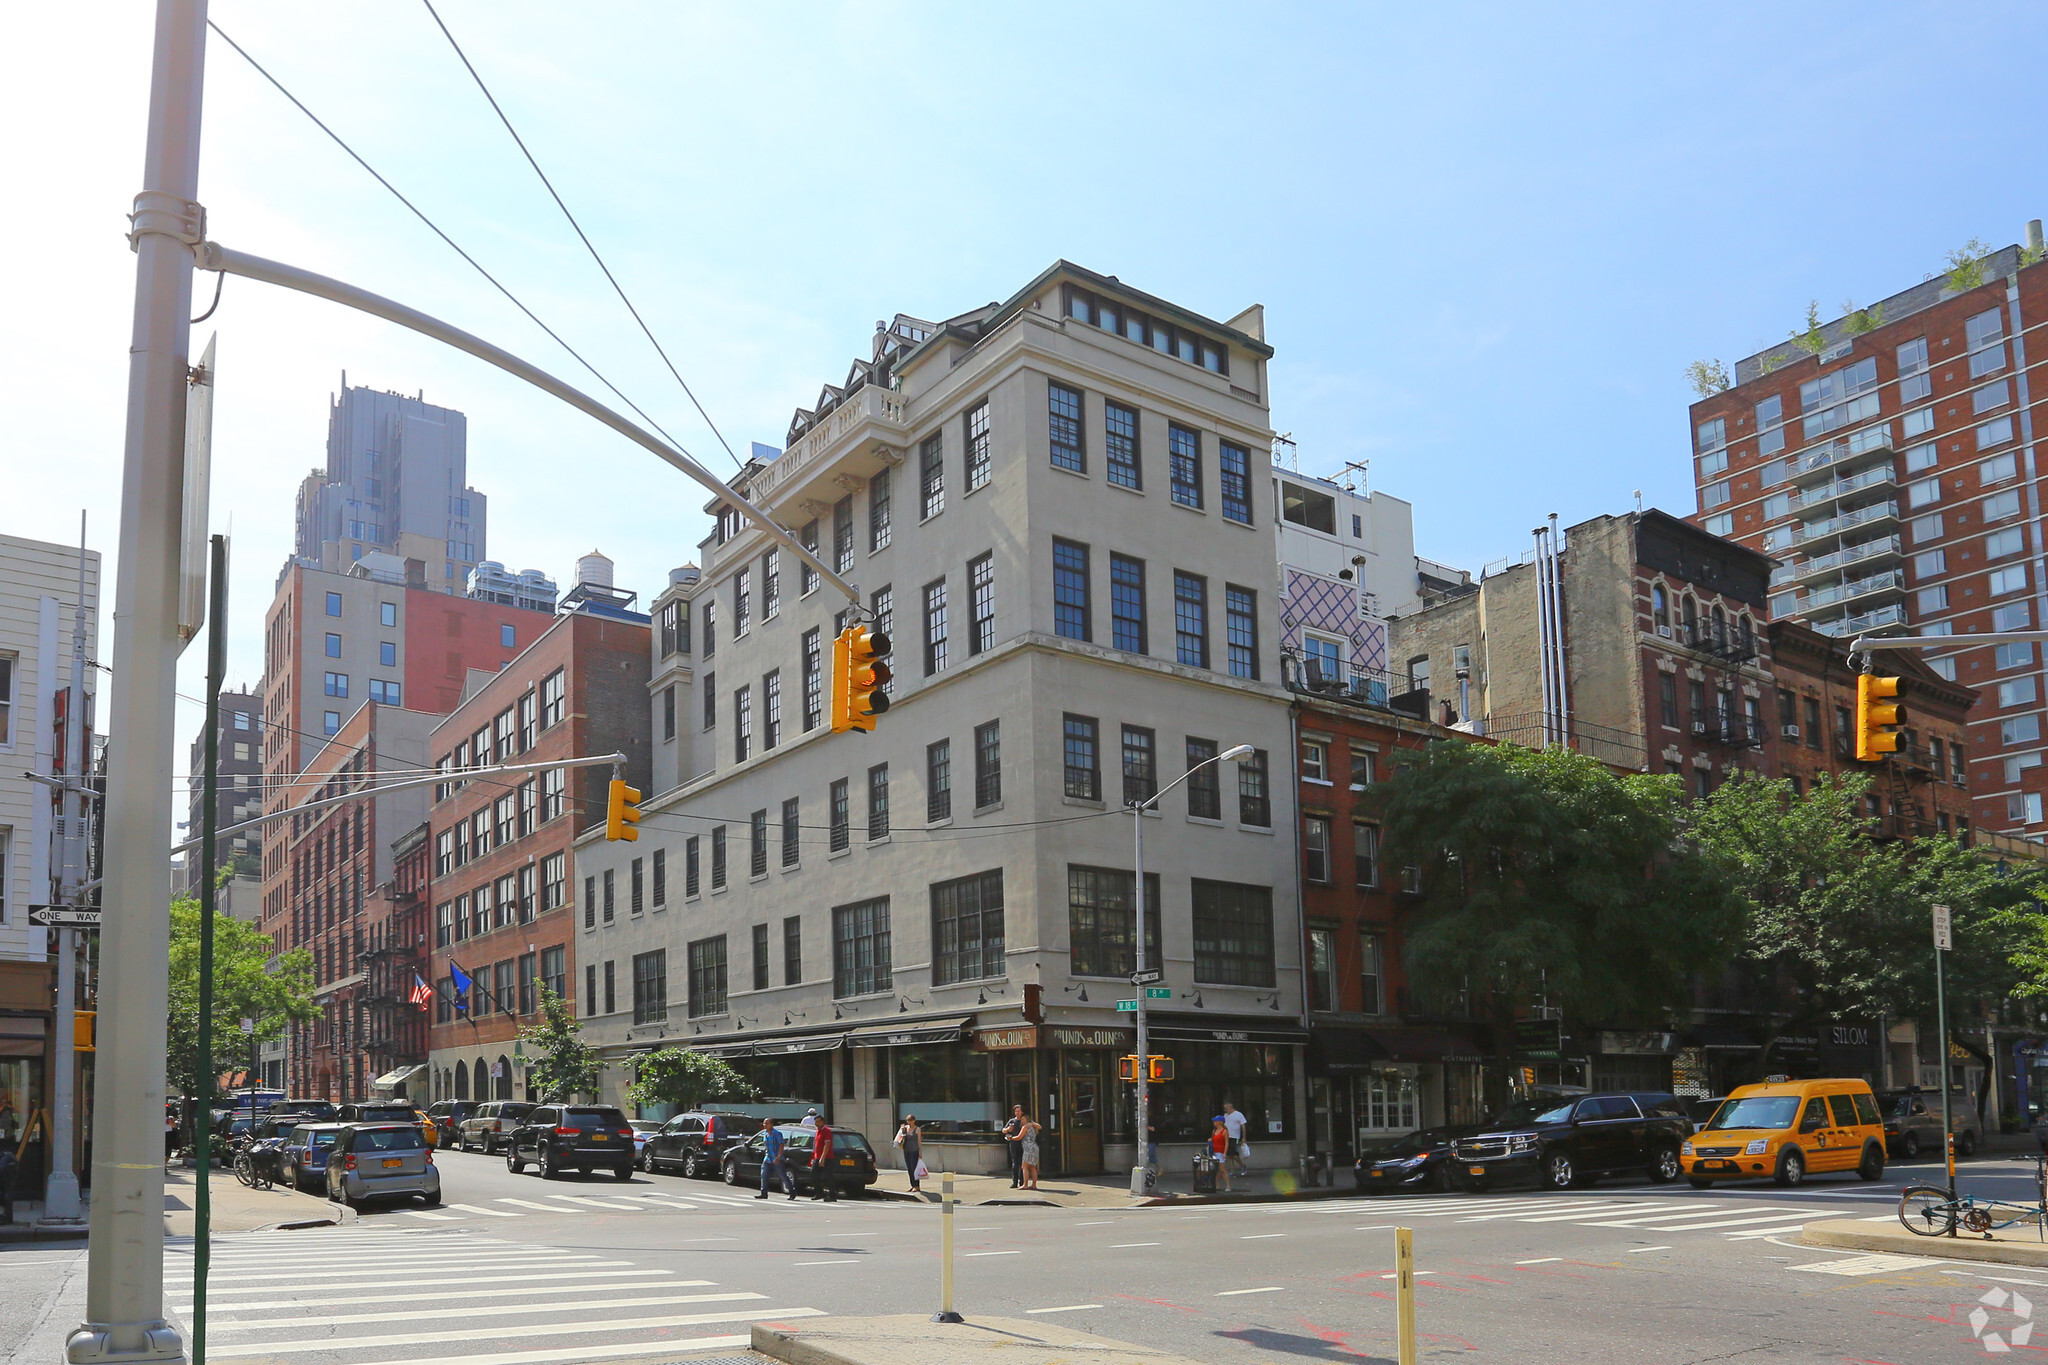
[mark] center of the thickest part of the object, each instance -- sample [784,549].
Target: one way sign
[63,917]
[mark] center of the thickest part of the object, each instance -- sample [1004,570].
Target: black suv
[572,1137]
[696,1142]
[448,1116]
[1564,1140]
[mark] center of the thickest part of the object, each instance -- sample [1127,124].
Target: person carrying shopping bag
[1235,1124]
[910,1138]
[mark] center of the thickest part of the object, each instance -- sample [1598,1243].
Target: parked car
[306,1152]
[488,1126]
[695,1143]
[572,1137]
[643,1129]
[855,1159]
[1784,1129]
[1702,1110]
[448,1116]
[322,1110]
[1912,1122]
[380,1161]
[1574,1140]
[1420,1160]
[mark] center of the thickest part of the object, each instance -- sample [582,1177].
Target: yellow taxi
[429,1132]
[1788,1130]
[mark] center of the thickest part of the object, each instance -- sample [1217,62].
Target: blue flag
[462,984]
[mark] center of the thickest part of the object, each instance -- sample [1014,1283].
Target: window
[387,654]
[988,764]
[1100,922]
[691,865]
[931,476]
[554,794]
[757,844]
[1120,445]
[841,816]
[1714,494]
[878,801]
[1995,432]
[878,511]
[860,948]
[1233,933]
[1362,764]
[1070,610]
[981,603]
[771,582]
[528,997]
[717,857]
[552,699]
[1924,492]
[1205,780]
[938,781]
[1913,376]
[1777,505]
[1365,855]
[842,536]
[1322,969]
[742,723]
[1184,464]
[1989,397]
[967,929]
[554,881]
[792,950]
[1667,700]
[334,604]
[1063,422]
[977,446]
[508,637]
[650,987]
[1999,544]
[606,879]
[1253,806]
[1083,771]
[1711,434]
[1373,978]
[1191,619]
[1241,631]
[710,627]
[2009,579]
[2024,808]
[387,613]
[814,681]
[1126,601]
[707,976]
[673,626]
[881,609]
[1234,481]
[1997,469]
[507,810]
[2016,692]
[1315,847]
[444,924]
[1933,599]
[1310,508]
[2000,505]
[1932,564]
[1925,528]
[771,709]
[760,937]
[1722,524]
[658,891]
[742,602]
[2012,655]
[934,626]
[1322,660]
[1315,760]
[1141,769]
[1714,465]
[2019,730]
[806,576]
[1770,419]
[668,712]
[589,995]
[330,722]
[1985,335]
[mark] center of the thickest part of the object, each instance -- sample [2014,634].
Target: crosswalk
[610,1201]
[431,1297]
[1734,1219]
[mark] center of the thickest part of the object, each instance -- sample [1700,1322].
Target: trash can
[1205,1175]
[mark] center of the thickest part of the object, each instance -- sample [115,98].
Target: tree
[1707,377]
[250,981]
[1544,874]
[563,1064]
[1966,265]
[1810,340]
[677,1076]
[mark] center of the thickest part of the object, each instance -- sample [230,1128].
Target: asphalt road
[514,1271]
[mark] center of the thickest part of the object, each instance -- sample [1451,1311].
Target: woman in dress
[1031,1131]
[911,1139]
[1219,1153]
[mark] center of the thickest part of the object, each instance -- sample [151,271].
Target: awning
[1428,1045]
[1186,1028]
[770,1046]
[909,1033]
[398,1077]
[1344,1049]
[322,992]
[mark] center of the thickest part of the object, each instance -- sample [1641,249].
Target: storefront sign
[1019,1038]
[1617,1043]
[1539,1038]
[1060,1035]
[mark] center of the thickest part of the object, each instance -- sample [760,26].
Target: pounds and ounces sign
[63,917]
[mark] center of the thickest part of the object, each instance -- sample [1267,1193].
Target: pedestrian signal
[622,812]
[1877,719]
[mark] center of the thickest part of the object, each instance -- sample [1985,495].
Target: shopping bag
[1244,1151]
[923,1171]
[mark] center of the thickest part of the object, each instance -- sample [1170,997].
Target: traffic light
[1876,719]
[622,812]
[82,1026]
[1127,1068]
[858,677]
[1162,1069]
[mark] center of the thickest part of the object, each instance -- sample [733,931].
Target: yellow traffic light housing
[858,677]
[83,1023]
[1876,719]
[622,812]
[1162,1069]
[1127,1068]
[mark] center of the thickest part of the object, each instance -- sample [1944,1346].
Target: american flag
[421,991]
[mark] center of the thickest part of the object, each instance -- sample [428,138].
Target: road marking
[1119,1246]
[488,1213]
[2002,1279]
[1675,1219]
[1260,1236]
[1067,1308]
[1724,1223]
[1269,1289]
[1867,1265]
[1097,1223]
[581,1353]
[594,1203]
[847,1260]
[423,1257]
[470,1279]
[1375,1227]
[492,1310]
[994,1253]
[548,1329]
[1765,1232]
[1637,1251]
[465,1295]
[453,1262]
[437,1217]
[1393,1275]
[544,1208]
[1540,1260]
[1593,1213]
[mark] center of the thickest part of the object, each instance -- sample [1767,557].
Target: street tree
[250,981]
[563,1065]
[1545,876]
[677,1076]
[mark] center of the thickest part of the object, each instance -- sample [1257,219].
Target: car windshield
[321,1139]
[1533,1111]
[1758,1111]
[593,1120]
[371,1113]
[646,1126]
[388,1140]
[1413,1144]
[844,1142]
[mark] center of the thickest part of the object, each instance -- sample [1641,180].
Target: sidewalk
[2013,1246]
[235,1208]
[909,1339]
[1107,1191]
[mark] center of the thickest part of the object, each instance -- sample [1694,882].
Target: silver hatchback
[382,1161]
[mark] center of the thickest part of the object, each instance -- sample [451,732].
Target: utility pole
[125,1285]
[60,1199]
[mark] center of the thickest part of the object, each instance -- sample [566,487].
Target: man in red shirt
[823,1172]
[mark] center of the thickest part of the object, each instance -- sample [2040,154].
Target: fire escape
[393,1028]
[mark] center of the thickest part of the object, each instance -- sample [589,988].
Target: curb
[1863,1237]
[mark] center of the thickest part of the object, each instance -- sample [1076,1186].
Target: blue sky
[1488,238]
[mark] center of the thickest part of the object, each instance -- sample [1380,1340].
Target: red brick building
[394,962]
[503,876]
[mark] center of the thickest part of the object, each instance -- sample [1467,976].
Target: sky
[1488,238]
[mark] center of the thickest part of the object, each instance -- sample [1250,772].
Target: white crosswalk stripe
[1658,1211]
[382,1296]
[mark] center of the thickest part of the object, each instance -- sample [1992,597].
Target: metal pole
[1139,1172]
[1404,1296]
[946,1313]
[1948,1138]
[209,857]
[125,1284]
[60,1198]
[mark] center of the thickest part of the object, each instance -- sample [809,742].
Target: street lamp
[1138,808]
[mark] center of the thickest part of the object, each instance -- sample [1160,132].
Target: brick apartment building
[393,958]
[1892,472]
[502,867]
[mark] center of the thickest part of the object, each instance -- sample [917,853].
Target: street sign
[1126,1007]
[1147,977]
[62,917]
[1943,940]
[1159,992]
[249,1027]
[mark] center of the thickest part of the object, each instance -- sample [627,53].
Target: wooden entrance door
[1081,1113]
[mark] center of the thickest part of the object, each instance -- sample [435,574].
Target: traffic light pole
[60,1194]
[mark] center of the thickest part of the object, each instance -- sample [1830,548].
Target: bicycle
[1932,1211]
[249,1173]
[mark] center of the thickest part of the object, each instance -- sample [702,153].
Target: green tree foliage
[1966,265]
[248,983]
[1707,377]
[678,1076]
[1544,874]
[563,1065]
[1810,339]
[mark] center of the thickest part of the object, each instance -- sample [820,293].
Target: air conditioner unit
[1791,732]
[1699,727]
[1664,631]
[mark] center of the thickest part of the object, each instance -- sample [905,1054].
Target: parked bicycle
[1932,1211]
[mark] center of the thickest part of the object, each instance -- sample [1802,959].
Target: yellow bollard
[1404,1296]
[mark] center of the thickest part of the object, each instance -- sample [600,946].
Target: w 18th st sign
[63,917]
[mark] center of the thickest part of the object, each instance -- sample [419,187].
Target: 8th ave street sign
[62,917]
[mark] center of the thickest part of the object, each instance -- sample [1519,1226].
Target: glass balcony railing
[1835,561]
[1846,521]
[1843,450]
[1894,615]
[1828,492]
[1893,580]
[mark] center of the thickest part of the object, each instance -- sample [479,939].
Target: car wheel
[512,1161]
[1791,1168]
[1666,1167]
[1440,1180]
[1558,1172]
[1477,1187]
[1698,1182]
[1909,1146]
[430,1200]
[547,1166]
[1872,1165]
[644,1162]
[1966,1143]
[732,1172]
[623,1172]
[690,1168]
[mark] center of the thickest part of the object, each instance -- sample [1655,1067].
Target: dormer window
[1132,325]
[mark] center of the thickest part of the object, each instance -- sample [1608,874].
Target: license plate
[1377,1174]
[600,1137]
[1477,1170]
[1715,1165]
[846,1161]
[392,1163]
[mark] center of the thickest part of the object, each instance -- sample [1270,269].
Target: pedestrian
[1234,1123]
[822,1183]
[1219,1152]
[1028,1153]
[1013,1134]
[170,1132]
[773,1167]
[910,1139]
[810,1118]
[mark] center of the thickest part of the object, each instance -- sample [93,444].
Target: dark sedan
[852,1159]
[1420,1160]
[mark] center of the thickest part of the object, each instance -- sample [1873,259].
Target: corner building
[1053,507]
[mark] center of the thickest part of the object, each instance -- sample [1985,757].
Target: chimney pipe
[2034,235]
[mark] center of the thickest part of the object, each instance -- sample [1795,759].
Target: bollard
[946,1313]
[1404,1296]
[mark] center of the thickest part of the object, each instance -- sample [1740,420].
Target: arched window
[1660,608]
[1691,609]
[482,1081]
[461,1082]
[504,1087]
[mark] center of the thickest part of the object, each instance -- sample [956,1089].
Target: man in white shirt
[1234,1124]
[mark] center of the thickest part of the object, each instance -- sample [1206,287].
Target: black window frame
[1233,933]
[1140,748]
[931,476]
[1066,437]
[1190,607]
[1120,449]
[861,963]
[938,781]
[988,764]
[1081,737]
[1204,784]
[1184,465]
[1100,941]
[1071,578]
[1127,626]
[967,929]
[975,427]
[981,603]
[708,980]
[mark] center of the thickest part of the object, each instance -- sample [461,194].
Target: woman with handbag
[910,1138]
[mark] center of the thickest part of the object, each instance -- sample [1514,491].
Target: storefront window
[1387,1104]
[1256,1079]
